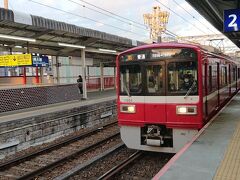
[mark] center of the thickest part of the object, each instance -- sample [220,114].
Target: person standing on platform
[80,84]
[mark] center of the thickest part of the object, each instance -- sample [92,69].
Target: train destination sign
[232,20]
[16,60]
[156,53]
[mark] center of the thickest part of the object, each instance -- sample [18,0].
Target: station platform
[214,151]
[93,98]
[17,86]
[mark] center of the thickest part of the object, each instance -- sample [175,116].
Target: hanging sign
[40,61]
[16,60]
[232,20]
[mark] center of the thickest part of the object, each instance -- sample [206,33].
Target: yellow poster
[16,60]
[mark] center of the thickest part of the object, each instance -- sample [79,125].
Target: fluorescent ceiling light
[18,46]
[71,45]
[17,38]
[107,50]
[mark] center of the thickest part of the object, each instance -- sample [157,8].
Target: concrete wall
[23,133]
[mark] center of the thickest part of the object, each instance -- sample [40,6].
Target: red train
[168,91]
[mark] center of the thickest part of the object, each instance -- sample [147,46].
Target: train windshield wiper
[126,89]
[190,89]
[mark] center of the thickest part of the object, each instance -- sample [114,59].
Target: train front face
[158,98]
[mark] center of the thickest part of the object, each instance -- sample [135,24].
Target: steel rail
[109,174]
[54,164]
[85,165]
[12,162]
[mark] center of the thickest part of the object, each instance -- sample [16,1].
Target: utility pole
[6,4]
[157,22]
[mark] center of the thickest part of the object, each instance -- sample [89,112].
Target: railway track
[144,167]
[119,162]
[35,164]
[102,162]
[115,170]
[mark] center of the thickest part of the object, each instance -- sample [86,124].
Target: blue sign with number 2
[232,20]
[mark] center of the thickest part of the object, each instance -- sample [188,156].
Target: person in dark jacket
[80,84]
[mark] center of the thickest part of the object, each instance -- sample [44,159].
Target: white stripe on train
[171,99]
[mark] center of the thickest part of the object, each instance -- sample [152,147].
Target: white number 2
[233,22]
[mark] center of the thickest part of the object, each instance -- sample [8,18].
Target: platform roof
[49,32]
[213,10]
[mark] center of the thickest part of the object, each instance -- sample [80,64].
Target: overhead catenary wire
[112,13]
[170,33]
[74,14]
[114,17]
[180,16]
[192,16]
[116,27]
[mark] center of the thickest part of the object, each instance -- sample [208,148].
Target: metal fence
[21,98]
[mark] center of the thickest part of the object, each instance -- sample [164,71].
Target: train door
[155,99]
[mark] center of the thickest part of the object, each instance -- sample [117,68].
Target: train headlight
[127,108]
[187,110]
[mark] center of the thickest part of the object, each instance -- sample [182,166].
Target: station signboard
[232,20]
[40,61]
[16,60]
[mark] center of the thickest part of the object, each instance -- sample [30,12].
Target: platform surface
[216,152]
[93,98]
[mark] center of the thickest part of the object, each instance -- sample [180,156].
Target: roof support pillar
[83,58]
[114,76]
[101,76]
[24,68]
[57,70]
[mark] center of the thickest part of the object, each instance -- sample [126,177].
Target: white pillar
[84,73]
[57,70]
[115,81]
[102,76]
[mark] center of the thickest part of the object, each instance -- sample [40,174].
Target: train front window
[130,79]
[182,78]
[155,79]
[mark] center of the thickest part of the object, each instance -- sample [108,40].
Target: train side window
[238,73]
[223,76]
[234,74]
[210,79]
[214,77]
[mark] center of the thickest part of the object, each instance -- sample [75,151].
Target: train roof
[179,45]
[163,45]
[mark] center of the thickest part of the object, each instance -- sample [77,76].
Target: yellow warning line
[229,168]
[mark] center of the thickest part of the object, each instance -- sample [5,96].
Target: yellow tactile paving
[229,169]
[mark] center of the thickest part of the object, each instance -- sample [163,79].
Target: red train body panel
[168,91]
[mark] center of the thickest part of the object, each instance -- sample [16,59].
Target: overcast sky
[129,9]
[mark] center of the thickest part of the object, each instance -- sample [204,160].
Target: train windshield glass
[130,79]
[155,79]
[182,78]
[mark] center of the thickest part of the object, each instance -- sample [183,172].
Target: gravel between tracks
[81,159]
[102,166]
[144,168]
